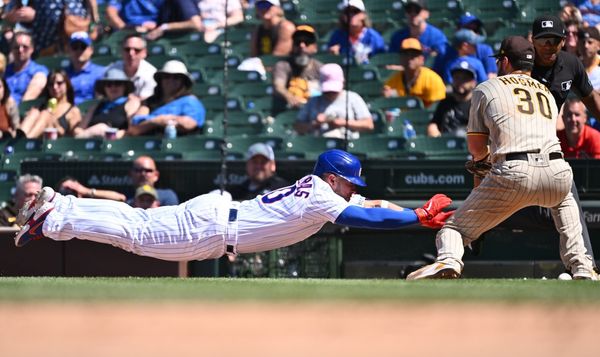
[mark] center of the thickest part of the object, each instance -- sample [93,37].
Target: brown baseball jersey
[517,112]
[519,115]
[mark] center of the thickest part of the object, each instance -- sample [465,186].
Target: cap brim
[355,180]
[547,33]
[332,86]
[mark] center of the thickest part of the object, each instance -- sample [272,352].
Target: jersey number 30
[527,106]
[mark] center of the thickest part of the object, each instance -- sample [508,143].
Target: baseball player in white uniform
[516,115]
[209,226]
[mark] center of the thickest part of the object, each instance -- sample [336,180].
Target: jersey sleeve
[476,123]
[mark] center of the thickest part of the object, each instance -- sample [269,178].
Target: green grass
[306,290]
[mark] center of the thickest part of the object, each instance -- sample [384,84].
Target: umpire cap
[517,49]
[548,25]
[341,163]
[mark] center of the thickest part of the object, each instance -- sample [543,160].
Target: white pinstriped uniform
[519,115]
[200,228]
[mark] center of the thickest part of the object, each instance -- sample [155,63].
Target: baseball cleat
[443,269]
[37,210]
[583,273]
[47,194]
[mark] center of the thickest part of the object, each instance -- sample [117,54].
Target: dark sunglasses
[145,170]
[304,39]
[113,83]
[78,46]
[129,49]
[552,41]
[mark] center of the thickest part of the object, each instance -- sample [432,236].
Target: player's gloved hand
[432,207]
[479,168]
[438,220]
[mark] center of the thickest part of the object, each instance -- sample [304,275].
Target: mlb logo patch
[547,24]
[565,86]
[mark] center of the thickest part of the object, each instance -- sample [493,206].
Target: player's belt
[523,156]
[231,240]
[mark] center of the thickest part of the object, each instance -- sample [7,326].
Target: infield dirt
[302,329]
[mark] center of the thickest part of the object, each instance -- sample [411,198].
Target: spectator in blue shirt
[432,39]
[177,16]
[483,51]
[82,72]
[172,102]
[139,14]
[464,48]
[364,41]
[25,78]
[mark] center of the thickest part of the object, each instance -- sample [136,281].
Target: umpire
[562,73]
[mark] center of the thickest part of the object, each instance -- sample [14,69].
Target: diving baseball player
[517,116]
[209,226]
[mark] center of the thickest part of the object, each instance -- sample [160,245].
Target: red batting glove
[432,207]
[438,221]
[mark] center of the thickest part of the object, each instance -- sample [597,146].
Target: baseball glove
[479,168]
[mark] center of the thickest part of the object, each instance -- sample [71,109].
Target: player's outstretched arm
[430,215]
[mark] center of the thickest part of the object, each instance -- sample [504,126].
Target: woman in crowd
[58,112]
[364,40]
[9,111]
[114,110]
[172,103]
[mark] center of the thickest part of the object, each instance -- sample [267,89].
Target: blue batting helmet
[340,163]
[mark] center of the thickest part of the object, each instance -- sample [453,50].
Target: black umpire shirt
[565,75]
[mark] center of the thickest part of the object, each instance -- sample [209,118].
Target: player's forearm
[378,218]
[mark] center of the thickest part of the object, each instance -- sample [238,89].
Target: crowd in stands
[128,74]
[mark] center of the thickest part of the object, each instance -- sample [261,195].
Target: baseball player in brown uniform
[516,115]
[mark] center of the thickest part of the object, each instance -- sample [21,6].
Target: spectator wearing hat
[432,38]
[25,78]
[578,140]
[483,51]
[274,34]
[464,48]
[261,174]
[58,112]
[141,15]
[325,115]
[415,79]
[177,16]
[82,72]
[363,39]
[145,197]
[115,108]
[172,102]
[589,45]
[452,114]
[135,66]
[296,78]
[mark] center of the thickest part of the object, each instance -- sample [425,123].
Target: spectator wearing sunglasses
[144,172]
[171,103]
[82,72]
[355,28]
[25,78]
[296,78]
[115,108]
[274,34]
[135,66]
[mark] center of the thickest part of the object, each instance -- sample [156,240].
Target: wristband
[164,27]
[384,204]
[93,193]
